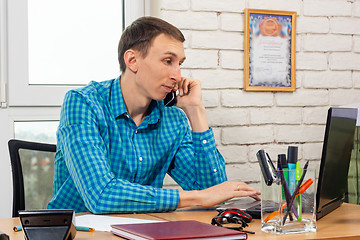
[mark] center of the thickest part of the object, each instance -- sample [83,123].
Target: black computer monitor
[335,159]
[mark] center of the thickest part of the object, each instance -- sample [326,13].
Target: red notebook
[175,230]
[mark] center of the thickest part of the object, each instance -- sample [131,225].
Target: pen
[17,228]
[292,159]
[298,199]
[296,190]
[78,228]
[286,190]
[84,229]
[284,167]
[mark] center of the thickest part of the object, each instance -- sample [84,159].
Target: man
[117,140]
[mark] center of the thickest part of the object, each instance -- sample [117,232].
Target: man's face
[159,70]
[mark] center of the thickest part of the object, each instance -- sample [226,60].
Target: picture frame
[269,50]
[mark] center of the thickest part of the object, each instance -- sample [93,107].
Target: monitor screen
[335,159]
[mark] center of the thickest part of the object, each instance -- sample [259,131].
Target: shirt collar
[119,108]
[116,99]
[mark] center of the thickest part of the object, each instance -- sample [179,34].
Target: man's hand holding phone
[189,100]
[189,93]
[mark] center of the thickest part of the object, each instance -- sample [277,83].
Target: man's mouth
[168,88]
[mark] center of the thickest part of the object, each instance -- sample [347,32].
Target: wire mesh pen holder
[276,217]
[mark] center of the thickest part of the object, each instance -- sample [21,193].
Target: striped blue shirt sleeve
[198,159]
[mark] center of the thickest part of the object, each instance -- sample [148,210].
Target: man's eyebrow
[175,55]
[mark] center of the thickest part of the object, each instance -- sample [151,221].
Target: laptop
[335,159]
[334,166]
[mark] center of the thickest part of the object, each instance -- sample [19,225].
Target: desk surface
[343,223]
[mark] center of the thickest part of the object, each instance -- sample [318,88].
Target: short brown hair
[141,32]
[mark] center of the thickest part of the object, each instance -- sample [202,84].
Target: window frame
[24,102]
[20,92]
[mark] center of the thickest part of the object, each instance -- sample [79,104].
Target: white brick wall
[238,98]
[303,97]
[323,43]
[234,154]
[314,115]
[311,61]
[344,25]
[327,8]
[218,78]
[345,61]
[356,79]
[357,44]
[227,21]
[198,58]
[280,115]
[228,117]
[327,79]
[200,20]
[217,40]
[182,5]
[218,6]
[247,135]
[302,133]
[312,25]
[327,74]
[231,59]
[357,9]
[294,5]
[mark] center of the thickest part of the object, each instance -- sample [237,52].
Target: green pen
[85,229]
[298,173]
[78,228]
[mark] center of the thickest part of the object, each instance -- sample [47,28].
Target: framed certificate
[269,50]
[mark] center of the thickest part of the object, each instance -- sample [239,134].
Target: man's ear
[130,58]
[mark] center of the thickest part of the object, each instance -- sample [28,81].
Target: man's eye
[168,61]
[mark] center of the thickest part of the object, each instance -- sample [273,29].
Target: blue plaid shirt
[105,163]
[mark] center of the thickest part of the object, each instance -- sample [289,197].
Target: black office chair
[32,166]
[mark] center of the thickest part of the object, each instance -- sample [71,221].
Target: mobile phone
[170,99]
[267,167]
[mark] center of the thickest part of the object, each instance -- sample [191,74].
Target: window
[32,100]
[57,45]
[36,131]
[77,42]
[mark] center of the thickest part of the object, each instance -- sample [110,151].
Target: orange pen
[302,189]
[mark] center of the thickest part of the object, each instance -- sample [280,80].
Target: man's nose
[176,73]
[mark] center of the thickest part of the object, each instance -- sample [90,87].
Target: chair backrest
[32,166]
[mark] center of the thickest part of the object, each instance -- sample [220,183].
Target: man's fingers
[183,86]
[245,190]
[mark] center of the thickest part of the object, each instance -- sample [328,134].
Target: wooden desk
[343,223]
[7,224]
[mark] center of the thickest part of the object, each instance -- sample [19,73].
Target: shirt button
[136,131]
[140,159]
[204,141]
[215,170]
